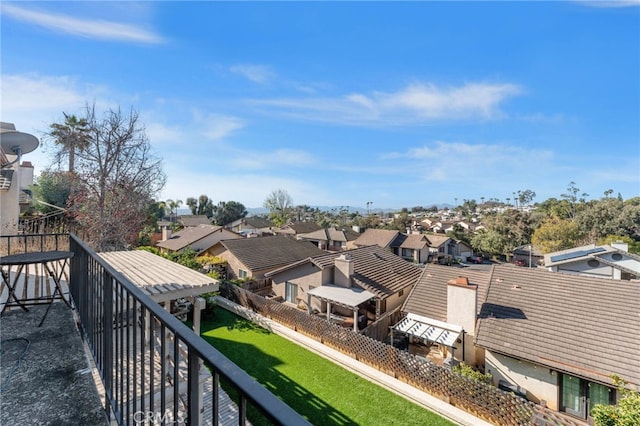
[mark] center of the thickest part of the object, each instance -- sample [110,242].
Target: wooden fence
[379,330]
[482,400]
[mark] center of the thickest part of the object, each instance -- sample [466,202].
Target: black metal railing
[154,369]
[28,243]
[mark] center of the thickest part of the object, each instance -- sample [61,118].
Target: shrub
[625,413]
[468,371]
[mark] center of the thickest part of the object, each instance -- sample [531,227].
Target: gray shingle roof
[194,220]
[581,325]
[188,236]
[376,270]
[270,252]
[429,296]
[380,237]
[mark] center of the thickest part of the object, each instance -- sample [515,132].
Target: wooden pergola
[350,298]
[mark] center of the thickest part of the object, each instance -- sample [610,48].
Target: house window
[579,396]
[242,273]
[407,252]
[291,292]
[400,293]
[440,249]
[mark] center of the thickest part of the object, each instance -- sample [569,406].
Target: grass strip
[319,390]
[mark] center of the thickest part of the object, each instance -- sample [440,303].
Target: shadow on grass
[262,367]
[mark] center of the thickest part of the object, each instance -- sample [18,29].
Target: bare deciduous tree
[119,176]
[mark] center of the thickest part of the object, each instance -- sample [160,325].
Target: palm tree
[72,136]
[173,208]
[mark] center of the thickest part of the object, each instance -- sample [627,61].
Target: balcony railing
[153,368]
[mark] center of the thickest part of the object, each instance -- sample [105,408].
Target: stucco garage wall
[539,382]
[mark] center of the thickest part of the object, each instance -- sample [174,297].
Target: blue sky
[343,103]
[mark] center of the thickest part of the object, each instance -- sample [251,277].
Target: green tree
[625,413]
[506,231]
[575,200]
[280,206]
[205,206]
[202,206]
[52,189]
[227,212]
[599,218]
[526,196]
[173,208]
[557,234]
[192,203]
[72,136]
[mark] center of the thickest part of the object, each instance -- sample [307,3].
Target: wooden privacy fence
[480,399]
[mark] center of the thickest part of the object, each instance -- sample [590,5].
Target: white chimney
[166,233]
[462,299]
[343,271]
[620,246]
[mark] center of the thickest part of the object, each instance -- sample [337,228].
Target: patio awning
[350,297]
[162,279]
[426,328]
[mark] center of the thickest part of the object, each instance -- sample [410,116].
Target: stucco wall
[304,277]
[540,383]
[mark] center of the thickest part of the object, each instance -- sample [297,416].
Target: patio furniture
[20,261]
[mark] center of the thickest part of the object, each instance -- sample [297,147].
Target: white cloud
[94,29]
[414,105]
[456,161]
[217,126]
[255,73]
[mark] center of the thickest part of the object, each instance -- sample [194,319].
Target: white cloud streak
[87,28]
[256,73]
[414,105]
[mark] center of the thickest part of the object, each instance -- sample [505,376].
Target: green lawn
[318,389]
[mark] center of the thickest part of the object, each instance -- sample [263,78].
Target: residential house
[15,176]
[364,282]
[254,257]
[297,228]
[193,220]
[383,238]
[198,238]
[251,226]
[560,337]
[528,255]
[606,261]
[549,337]
[413,247]
[441,314]
[331,239]
[443,249]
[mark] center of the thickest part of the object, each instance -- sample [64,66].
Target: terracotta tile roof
[379,237]
[580,325]
[429,296]
[188,236]
[270,252]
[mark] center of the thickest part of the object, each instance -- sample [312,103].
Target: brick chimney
[462,299]
[343,271]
